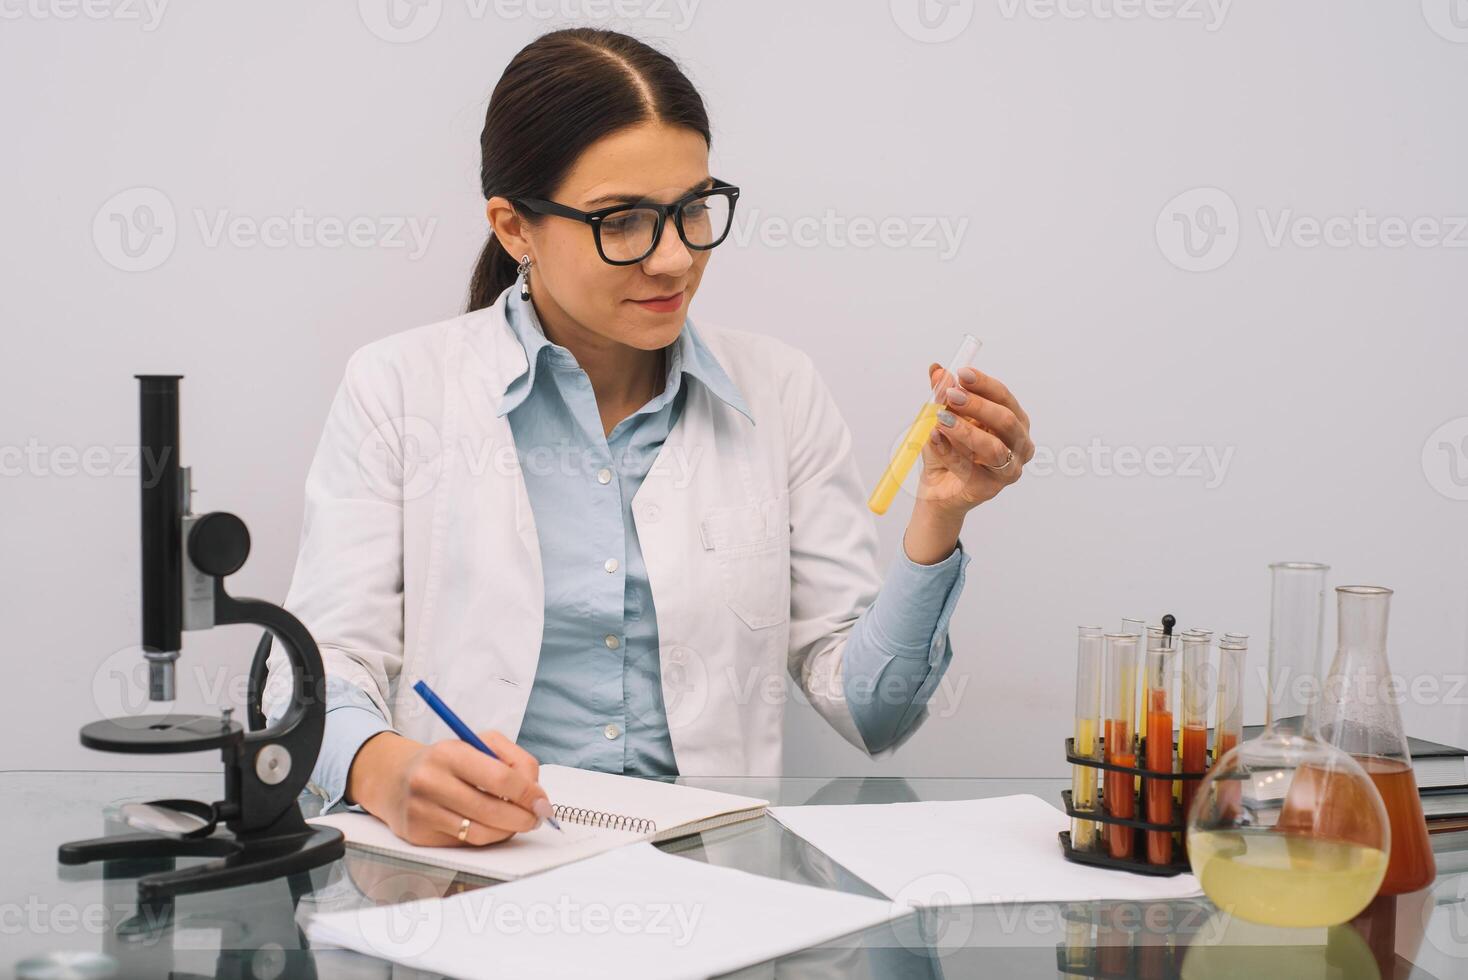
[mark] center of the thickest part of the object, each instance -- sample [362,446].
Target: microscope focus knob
[219,544]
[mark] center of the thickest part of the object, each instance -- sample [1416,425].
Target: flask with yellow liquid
[911,447]
[1287,830]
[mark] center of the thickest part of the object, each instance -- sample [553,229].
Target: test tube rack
[1100,856]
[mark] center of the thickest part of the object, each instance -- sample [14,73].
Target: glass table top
[90,914]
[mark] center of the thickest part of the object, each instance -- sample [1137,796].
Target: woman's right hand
[424,792]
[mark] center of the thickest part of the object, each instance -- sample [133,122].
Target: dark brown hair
[562,92]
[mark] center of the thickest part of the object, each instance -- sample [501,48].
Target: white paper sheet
[966,852]
[632,912]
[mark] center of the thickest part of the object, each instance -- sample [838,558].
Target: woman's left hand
[983,451]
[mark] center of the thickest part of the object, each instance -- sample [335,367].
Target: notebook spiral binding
[600,818]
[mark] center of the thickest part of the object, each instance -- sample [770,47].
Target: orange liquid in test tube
[1121,800]
[1159,791]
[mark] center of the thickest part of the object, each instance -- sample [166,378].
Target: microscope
[256,832]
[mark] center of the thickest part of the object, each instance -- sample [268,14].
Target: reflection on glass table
[91,912]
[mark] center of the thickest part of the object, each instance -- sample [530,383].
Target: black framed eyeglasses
[628,233]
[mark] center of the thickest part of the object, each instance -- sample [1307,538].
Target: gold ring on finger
[1008,460]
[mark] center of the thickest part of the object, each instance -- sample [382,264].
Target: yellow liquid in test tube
[917,435]
[1281,879]
[906,455]
[1083,784]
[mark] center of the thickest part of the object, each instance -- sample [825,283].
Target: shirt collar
[687,355]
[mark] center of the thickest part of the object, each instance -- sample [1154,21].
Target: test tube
[1087,744]
[1160,651]
[1118,792]
[1192,752]
[1229,722]
[1139,628]
[1229,726]
[917,435]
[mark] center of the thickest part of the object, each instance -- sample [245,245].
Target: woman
[601,534]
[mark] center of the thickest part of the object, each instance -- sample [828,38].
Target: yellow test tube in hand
[911,447]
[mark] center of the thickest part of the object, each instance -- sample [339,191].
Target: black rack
[1101,855]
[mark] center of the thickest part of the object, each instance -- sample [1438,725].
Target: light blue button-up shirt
[596,702]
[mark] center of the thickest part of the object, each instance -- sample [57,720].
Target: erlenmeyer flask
[1358,714]
[1287,830]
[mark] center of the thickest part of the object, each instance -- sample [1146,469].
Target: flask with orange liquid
[1358,714]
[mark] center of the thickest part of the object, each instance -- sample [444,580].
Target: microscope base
[242,861]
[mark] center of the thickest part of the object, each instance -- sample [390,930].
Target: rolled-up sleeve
[351,719]
[899,648]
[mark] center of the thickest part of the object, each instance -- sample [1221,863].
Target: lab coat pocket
[751,546]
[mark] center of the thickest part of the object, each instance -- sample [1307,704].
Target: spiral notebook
[598,812]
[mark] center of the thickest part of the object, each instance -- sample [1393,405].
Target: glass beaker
[1359,715]
[1287,830]
[911,447]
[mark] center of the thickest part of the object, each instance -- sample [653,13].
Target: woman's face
[572,286]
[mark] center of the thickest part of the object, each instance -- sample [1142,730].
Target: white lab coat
[419,557]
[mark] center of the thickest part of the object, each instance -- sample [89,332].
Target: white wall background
[1052,139]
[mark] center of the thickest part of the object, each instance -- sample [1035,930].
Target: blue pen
[462,730]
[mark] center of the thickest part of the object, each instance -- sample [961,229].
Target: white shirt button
[603,475]
[610,565]
[611,731]
[612,641]
[652,512]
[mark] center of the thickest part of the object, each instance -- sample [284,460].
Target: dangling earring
[524,272]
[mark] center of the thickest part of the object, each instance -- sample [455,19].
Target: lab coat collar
[688,354]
